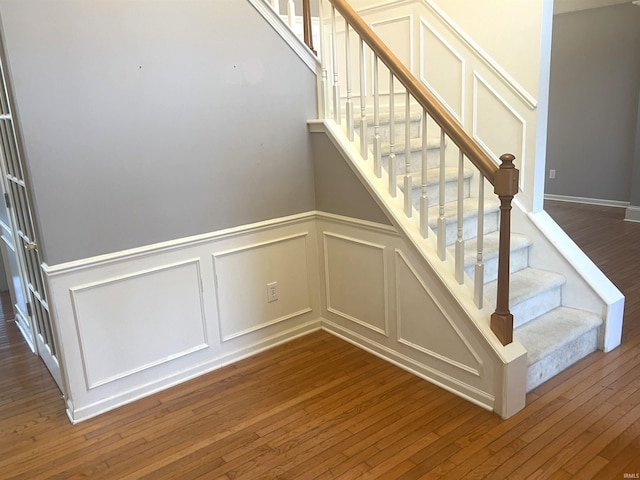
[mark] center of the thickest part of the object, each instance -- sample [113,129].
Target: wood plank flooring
[319,408]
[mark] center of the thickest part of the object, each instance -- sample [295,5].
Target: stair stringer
[587,288]
[499,380]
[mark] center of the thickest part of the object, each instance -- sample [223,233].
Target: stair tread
[415,113]
[469,209]
[415,145]
[490,246]
[554,330]
[527,283]
[433,176]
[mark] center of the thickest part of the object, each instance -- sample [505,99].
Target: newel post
[306,23]
[505,186]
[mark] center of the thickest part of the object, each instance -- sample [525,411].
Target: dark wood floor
[320,408]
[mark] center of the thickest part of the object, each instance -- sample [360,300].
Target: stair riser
[469,228]
[536,306]
[519,259]
[552,364]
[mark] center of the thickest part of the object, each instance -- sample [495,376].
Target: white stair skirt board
[289,36]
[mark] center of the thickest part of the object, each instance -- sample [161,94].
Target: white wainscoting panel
[242,276]
[370,270]
[139,321]
[497,126]
[442,70]
[356,281]
[424,325]
[163,306]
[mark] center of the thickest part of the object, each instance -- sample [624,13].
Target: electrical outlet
[552,174]
[272,292]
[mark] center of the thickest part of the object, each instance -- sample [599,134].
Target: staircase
[555,336]
[437,187]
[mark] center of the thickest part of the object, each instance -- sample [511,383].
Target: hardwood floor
[320,408]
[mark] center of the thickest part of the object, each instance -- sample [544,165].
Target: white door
[29,274]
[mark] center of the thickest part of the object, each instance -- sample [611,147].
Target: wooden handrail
[443,118]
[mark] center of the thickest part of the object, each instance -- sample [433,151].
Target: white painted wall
[508,31]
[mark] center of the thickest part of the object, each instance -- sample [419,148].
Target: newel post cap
[506,179]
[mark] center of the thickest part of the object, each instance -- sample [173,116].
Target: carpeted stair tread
[526,284]
[469,210]
[433,176]
[491,246]
[555,330]
[415,146]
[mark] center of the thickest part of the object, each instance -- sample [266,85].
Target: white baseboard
[632,214]
[473,395]
[77,415]
[586,200]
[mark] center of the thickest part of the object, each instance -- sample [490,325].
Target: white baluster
[460,223]
[275,4]
[442,222]
[322,78]
[424,201]
[349,111]
[364,148]
[408,188]
[291,13]
[377,141]
[478,276]
[337,117]
[392,140]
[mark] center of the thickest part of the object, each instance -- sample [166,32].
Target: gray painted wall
[153,120]
[337,188]
[595,83]
[634,198]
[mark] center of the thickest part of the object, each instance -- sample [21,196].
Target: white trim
[398,19]
[632,213]
[76,290]
[500,72]
[383,5]
[305,54]
[477,78]
[440,379]
[233,251]
[94,409]
[479,371]
[463,67]
[379,227]
[385,282]
[586,200]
